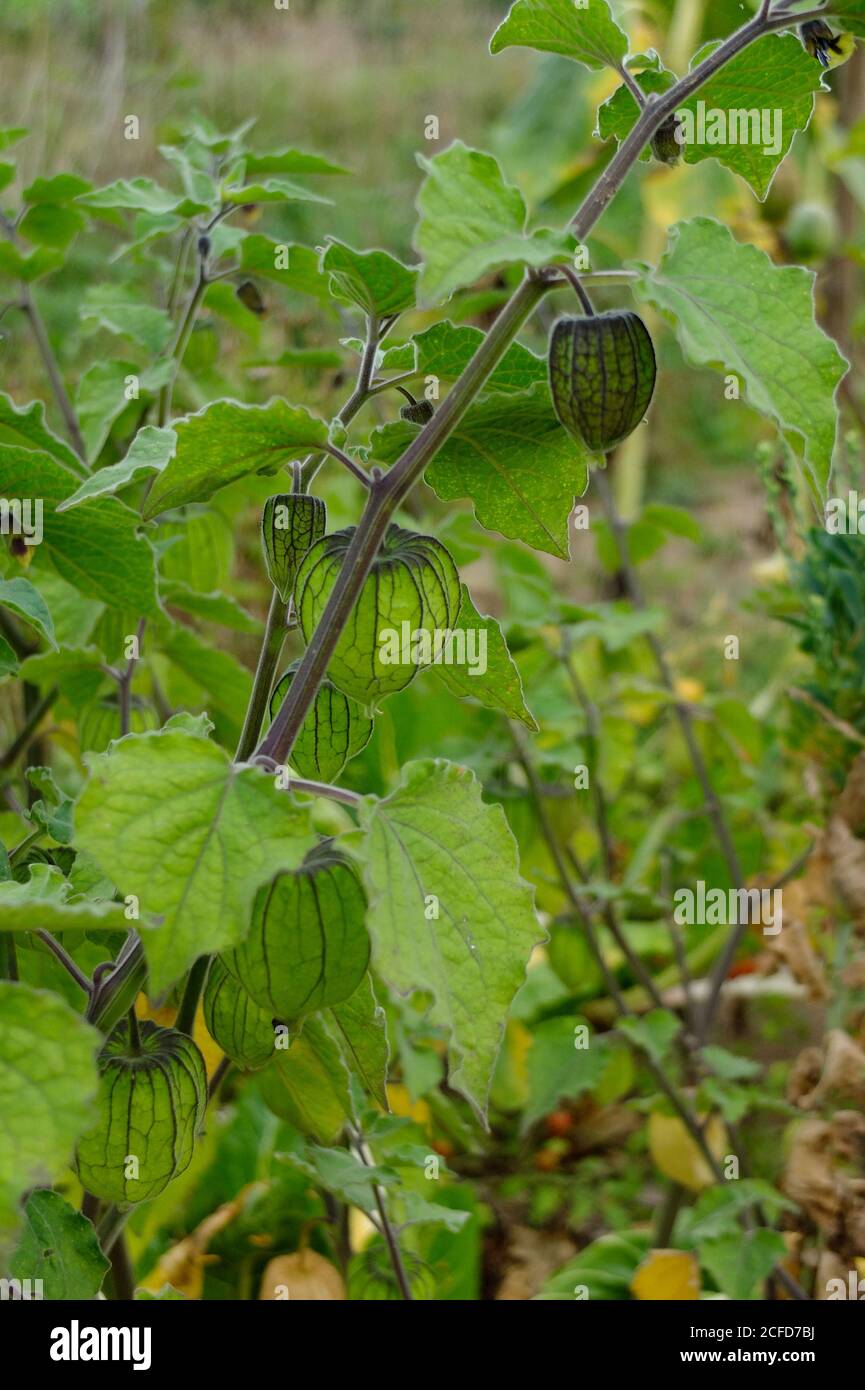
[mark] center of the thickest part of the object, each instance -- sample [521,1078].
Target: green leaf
[434,839]
[120,311]
[496,687]
[740,1263]
[102,397]
[733,308]
[655,1032]
[59,188]
[25,426]
[718,1210]
[8,659]
[787,79]
[29,266]
[291,161]
[11,134]
[378,283]
[212,608]
[585,32]
[149,452]
[76,670]
[850,12]
[360,1027]
[20,597]
[226,441]
[308,1084]
[419,1212]
[473,222]
[275,190]
[558,1069]
[142,195]
[445,350]
[721,120]
[510,455]
[98,548]
[260,255]
[339,1172]
[51,224]
[47,901]
[169,818]
[47,1081]
[59,1247]
[728,1066]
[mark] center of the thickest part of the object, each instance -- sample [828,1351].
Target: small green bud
[418,412]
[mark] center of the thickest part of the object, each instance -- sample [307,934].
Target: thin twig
[632,84]
[348,463]
[65,960]
[366,1158]
[21,741]
[46,352]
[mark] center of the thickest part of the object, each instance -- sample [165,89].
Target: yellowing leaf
[668,1275]
[677,1156]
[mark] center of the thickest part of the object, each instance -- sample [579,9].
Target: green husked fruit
[290,523]
[234,1021]
[411,593]
[100,722]
[307,946]
[335,729]
[150,1108]
[602,375]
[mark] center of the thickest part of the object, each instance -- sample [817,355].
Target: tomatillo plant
[271,887]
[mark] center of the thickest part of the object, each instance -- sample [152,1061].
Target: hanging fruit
[602,376]
[411,593]
[151,1101]
[307,946]
[290,523]
[234,1021]
[335,729]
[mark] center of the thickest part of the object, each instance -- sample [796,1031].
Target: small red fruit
[559,1123]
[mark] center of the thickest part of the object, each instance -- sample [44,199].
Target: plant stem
[65,960]
[134,1033]
[387,1230]
[222,1070]
[8,956]
[18,853]
[121,1270]
[22,739]
[46,352]
[181,340]
[110,1226]
[124,684]
[268,659]
[185,1021]
[385,495]
[632,84]
[303,784]
[348,463]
